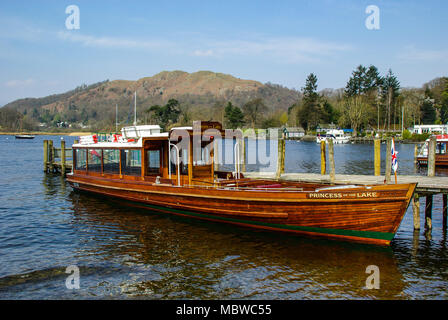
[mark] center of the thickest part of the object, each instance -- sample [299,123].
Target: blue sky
[276,41]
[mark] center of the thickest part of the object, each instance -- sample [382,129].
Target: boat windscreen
[131,163]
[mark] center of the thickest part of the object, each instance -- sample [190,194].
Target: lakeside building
[430,128]
[294,132]
[324,127]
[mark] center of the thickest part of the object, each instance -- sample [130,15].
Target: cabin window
[111,161]
[441,148]
[131,162]
[94,160]
[173,162]
[153,157]
[184,162]
[201,156]
[80,157]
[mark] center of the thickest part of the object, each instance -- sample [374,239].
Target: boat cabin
[182,156]
[441,159]
[174,172]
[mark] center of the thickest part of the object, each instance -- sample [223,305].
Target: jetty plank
[425,184]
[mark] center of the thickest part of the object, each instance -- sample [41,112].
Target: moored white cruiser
[336,135]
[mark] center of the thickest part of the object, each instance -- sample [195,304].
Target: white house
[294,132]
[430,128]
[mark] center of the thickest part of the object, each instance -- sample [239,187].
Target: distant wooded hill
[369,101]
[201,95]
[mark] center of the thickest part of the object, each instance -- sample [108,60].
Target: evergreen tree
[166,115]
[362,97]
[309,113]
[390,93]
[444,104]
[428,112]
[234,116]
[329,114]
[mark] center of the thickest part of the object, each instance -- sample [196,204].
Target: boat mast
[116,117]
[135,108]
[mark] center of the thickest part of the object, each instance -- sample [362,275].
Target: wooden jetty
[57,160]
[427,186]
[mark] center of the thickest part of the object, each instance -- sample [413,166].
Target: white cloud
[292,50]
[110,42]
[412,54]
[18,29]
[203,53]
[19,83]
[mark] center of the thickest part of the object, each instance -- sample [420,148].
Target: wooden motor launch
[441,152]
[174,172]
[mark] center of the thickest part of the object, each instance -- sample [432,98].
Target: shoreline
[41,133]
[310,138]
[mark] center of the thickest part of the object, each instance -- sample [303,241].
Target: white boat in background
[336,135]
[24,136]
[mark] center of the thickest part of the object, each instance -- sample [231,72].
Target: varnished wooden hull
[369,215]
[441,161]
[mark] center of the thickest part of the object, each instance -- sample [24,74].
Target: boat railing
[177,161]
[237,160]
[241,188]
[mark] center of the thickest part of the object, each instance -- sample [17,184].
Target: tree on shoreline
[253,110]
[234,116]
[444,104]
[362,98]
[390,93]
[308,113]
[166,115]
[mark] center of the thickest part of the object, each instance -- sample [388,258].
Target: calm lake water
[128,253]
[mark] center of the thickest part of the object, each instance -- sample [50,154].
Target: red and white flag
[394,154]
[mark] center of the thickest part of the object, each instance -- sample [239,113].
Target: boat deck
[425,184]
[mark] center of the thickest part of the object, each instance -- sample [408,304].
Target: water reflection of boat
[140,166]
[197,260]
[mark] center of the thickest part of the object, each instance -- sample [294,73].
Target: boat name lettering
[326,195]
[367,195]
[319,195]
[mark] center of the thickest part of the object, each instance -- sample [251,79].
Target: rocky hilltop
[199,93]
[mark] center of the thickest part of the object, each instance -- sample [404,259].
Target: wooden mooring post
[432,157]
[323,161]
[444,210]
[45,155]
[331,160]
[51,154]
[416,211]
[280,158]
[244,156]
[377,146]
[415,154]
[63,158]
[428,212]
